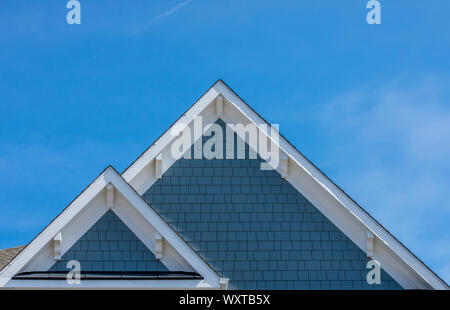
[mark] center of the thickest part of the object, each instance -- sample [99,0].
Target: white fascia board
[316,179]
[145,177]
[111,284]
[41,243]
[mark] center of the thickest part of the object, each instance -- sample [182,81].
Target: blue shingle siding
[253,227]
[109,245]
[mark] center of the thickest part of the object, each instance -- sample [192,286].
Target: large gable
[220,102]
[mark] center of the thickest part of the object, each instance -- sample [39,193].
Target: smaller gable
[109,227]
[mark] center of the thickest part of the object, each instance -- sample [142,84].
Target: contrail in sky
[171,11]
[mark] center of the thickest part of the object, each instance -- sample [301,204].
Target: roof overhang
[109,191]
[332,201]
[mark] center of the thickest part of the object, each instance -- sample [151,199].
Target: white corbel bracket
[369,244]
[158,165]
[109,196]
[284,166]
[223,282]
[158,246]
[219,105]
[57,244]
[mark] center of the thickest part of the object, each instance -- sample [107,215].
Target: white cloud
[417,118]
[391,150]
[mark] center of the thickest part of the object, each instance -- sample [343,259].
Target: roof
[318,188]
[7,255]
[340,206]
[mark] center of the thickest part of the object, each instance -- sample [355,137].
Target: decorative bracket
[158,164]
[369,244]
[109,196]
[224,283]
[219,105]
[158,246]
[57,243]
[284,166]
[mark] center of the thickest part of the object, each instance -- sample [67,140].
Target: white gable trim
[156,148]
[111,284]
[134,211]
[345,213]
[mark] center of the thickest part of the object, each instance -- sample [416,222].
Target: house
[220,201]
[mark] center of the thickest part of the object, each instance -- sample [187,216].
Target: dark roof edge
[111,275]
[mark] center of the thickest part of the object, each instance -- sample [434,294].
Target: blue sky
[368,104]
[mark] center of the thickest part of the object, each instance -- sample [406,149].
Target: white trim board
[345,213]
[111,284]
[84,211]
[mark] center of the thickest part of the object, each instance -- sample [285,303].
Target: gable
[220,102]
[132,232]
[109,245]
[256,229]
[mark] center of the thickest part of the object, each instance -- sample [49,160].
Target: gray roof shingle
[7,255]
